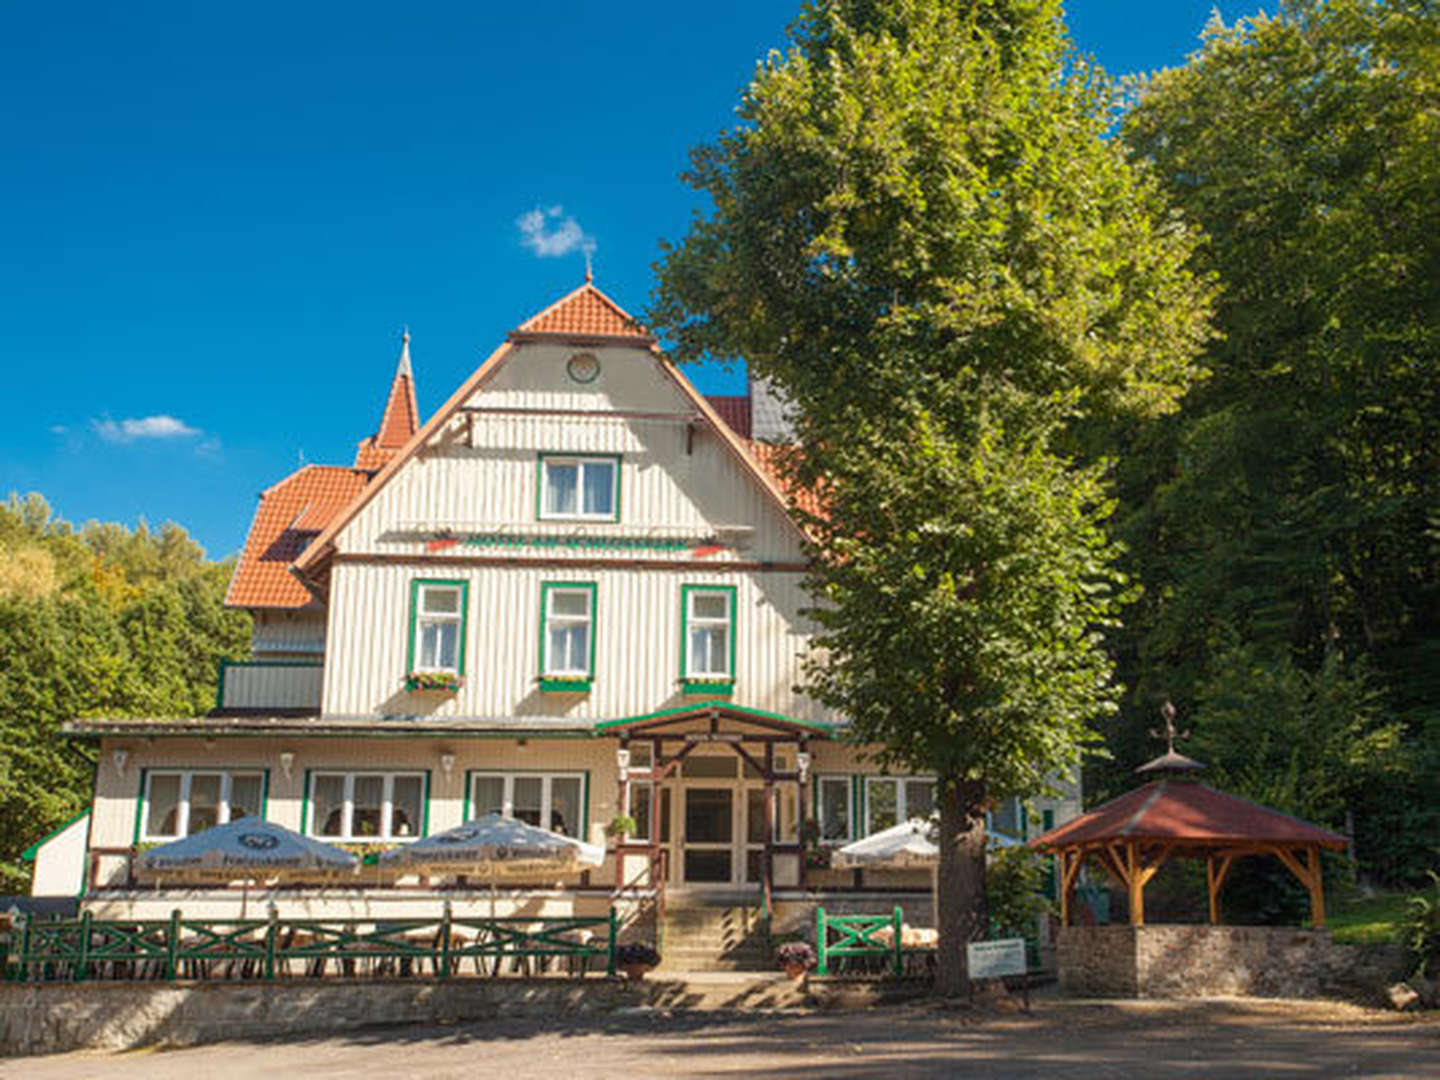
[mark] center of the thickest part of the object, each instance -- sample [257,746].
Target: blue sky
[216,219]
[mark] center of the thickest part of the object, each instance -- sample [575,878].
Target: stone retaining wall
[1199,961]
[44,1018]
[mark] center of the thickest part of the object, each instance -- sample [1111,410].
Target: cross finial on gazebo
[1171,761]
[1168,733]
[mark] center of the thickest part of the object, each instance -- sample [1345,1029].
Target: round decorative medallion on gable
[583,367]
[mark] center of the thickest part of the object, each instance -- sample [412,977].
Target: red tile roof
[734,409]
[290,514]
[1186,812]
[584,313]
[770,455]
[400,420]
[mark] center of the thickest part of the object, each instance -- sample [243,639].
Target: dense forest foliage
[96,621]
[1285,523]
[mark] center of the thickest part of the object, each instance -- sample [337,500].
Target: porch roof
[630,725]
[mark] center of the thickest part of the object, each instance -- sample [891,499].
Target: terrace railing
[179,948]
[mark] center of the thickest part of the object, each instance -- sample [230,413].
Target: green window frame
[385,832]
[554,677]
[699,679]
[418,587]
[582,463]
[902,798]
[546,778]
[184,790]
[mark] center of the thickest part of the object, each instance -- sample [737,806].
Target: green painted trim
[708,687]
[310,774]
[274,663]
[565,686]
[739,710]
[618,459]
[151,770]
[470,775]
[464,587]
[220,684]
[28,855]
[140,805]
[546,588]
[305,805]
[685,591]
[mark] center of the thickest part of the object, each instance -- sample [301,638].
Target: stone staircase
[714,934]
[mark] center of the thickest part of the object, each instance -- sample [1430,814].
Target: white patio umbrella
[907,846]
[250,849]
[495,847]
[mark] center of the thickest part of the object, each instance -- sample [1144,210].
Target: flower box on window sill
[716,688]
[556,685]
[445,682]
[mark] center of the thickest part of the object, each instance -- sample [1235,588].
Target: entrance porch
[716,792]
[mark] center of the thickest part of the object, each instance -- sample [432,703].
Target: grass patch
[1368,920]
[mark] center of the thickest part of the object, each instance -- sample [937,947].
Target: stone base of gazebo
[1179,961]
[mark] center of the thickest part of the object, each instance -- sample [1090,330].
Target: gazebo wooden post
[1316,884]
[1135,879]
[1212,887]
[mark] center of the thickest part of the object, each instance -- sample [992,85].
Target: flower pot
[635,972]
[795,970]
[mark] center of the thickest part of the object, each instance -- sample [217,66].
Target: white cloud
[549,232]
[58,429]
[145,427]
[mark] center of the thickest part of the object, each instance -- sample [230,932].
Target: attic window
[579,488]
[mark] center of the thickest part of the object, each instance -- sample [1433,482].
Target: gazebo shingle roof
[1185,812]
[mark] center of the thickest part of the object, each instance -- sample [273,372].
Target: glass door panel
[709,835]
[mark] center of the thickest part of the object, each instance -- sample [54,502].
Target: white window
[832,808]
[890,800]
[180,803]
[579,488]
[640,792]
[438,628]
[569,630]
[367,805]
[709,635]
[554,799]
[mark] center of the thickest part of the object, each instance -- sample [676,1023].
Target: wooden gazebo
[1132,836]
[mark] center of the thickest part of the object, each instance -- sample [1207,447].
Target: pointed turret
[400,420]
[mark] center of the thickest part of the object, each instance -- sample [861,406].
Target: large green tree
[1285,521]
[922,237]
[97,621]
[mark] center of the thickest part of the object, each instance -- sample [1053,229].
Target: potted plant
[621,826]
[446,681]
[795,957]
[817,857]
[635,960]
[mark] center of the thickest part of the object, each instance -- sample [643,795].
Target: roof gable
[574,318]
[586,314]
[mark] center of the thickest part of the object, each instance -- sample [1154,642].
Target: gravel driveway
[1242,1038]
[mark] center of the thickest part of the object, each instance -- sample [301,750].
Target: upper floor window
[890,800]
[437,626]
[182,802]
[579,488]
[367,806]
[708,635]
[567,648]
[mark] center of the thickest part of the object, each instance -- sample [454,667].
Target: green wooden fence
[179,948]
[854,935]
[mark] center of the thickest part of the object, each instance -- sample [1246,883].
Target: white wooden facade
[331,691]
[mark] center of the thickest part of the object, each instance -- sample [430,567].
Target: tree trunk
[960,911]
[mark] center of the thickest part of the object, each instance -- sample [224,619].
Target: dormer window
[579,488]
